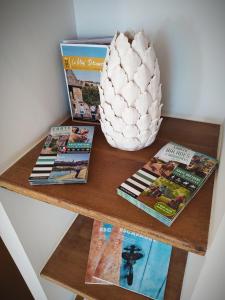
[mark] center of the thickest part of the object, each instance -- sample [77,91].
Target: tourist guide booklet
[64,157]
[82,62]
[97,247]
[167,183]
[128,260]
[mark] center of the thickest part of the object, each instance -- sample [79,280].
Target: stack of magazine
[128,260]
[168,182]
[64,157]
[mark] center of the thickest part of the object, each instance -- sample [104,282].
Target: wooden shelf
[109,167]
[67,267]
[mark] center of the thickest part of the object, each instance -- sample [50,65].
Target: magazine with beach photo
[70,166]
[82,62]
[64,157]
[168,181]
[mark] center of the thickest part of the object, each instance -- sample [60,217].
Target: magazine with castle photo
[128,260]
[82,64]
[167,183]
[64,157]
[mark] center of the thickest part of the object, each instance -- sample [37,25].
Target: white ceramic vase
[130,93]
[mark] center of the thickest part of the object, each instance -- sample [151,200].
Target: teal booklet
[64,157]
[168,182]
[128,260]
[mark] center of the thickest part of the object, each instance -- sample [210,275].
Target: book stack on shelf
[64,157]
[168,182]
[128,260]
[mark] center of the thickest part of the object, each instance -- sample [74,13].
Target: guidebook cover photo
[64,157]
[128,260]
[82,66]
[167,183]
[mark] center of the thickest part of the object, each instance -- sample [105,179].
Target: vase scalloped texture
[130,93]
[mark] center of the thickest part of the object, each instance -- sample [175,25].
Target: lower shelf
[67,267]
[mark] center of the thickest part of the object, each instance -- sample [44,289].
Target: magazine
[97,246]
[83,61]
[168,182]
[131,261]
[64,157]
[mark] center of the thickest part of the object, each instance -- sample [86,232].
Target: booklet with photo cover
[97,246]
[168,182]
[128,260]
[82,62]
[64,157]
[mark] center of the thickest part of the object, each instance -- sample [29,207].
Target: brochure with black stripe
[168,182]
[64,157]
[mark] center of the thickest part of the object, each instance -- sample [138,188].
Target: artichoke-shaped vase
[130,93]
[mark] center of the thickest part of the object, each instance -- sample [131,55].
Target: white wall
[31,241]
[210,284]
[32,98]
[33,95]
[189,41]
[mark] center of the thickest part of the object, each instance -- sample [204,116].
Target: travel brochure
[64,157]
[128,260]
[167,183]
[82,62]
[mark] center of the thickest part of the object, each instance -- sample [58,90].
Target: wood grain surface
[78,297]
[109,167]
[67,267]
